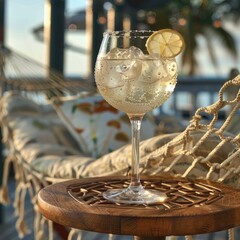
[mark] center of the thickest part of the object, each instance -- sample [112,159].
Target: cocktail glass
[135,82]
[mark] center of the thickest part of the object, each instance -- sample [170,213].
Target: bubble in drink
[172,68]
[133,82]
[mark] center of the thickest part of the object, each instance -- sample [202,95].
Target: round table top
[192,207]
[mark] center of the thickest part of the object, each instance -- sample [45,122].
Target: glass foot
[128,196]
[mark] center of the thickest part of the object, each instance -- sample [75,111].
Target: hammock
[207,149]
[26,75]
[44,86]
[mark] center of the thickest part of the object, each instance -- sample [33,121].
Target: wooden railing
[191,93]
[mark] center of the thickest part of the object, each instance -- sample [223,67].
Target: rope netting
[209,148]
[23,74]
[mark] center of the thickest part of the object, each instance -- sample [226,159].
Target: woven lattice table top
[181,193]
[192,207]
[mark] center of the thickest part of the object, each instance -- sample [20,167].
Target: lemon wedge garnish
[167,43]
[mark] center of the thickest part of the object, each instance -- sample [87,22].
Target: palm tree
[193,18]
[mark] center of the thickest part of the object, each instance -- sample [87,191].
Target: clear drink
[135,84]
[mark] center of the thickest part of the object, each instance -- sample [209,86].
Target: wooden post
[54,30]
[94,31]
[119,16]
[2,25]
[2,21]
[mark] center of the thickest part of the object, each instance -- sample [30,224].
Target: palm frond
[211,50]
[227,40]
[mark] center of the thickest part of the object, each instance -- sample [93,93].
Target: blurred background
[210,28]
[66,34]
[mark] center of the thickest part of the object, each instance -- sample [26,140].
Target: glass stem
[135,184]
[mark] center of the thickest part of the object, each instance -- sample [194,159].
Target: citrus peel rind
[167,43]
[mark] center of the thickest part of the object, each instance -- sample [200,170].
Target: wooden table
[192,207]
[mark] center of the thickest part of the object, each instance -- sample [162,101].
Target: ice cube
[116,53]
[135,53]
[129,53]
[109,76]
[153,71]
[125,64]
[130,69]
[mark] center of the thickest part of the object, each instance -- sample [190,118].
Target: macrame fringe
[40,235]
[171,238]
[22,228]
[4,195]
[75,234]
[37,221]
[231,234]
[19,205]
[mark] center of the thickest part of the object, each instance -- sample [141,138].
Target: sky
[24,15]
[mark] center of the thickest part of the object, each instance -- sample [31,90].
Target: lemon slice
[167,43]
